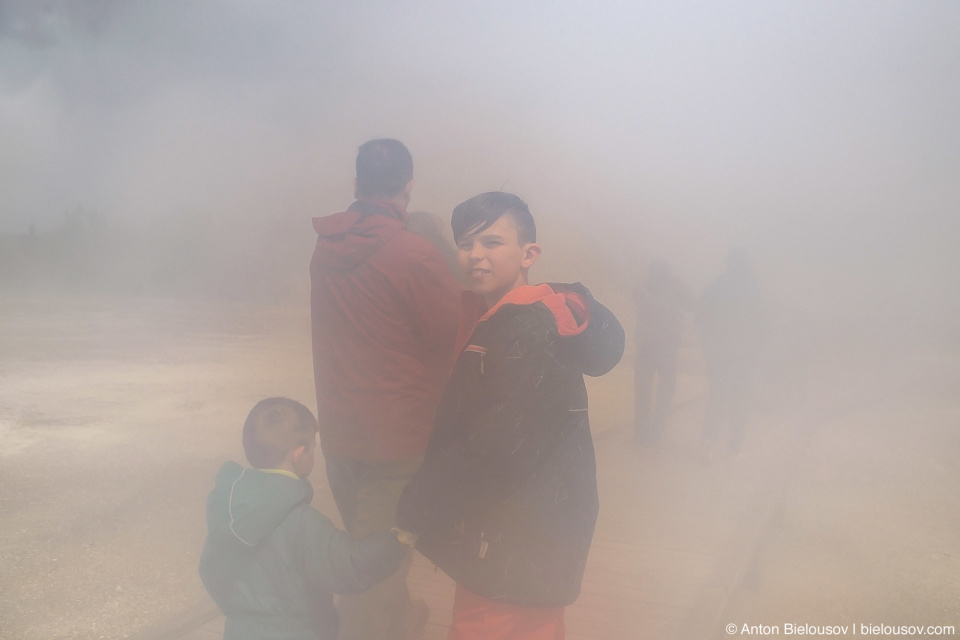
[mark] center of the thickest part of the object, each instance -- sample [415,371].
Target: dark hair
[384,167]
[274,428]
[479,212]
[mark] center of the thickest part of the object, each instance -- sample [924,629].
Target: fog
[179,149]
[821,136]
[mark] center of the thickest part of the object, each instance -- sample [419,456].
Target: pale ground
[114,416]
[869,533]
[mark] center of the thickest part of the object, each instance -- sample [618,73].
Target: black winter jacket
[272,562]
[506,500]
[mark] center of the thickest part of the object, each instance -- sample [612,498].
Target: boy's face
[493,260]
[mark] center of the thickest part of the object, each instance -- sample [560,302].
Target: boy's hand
[405,537]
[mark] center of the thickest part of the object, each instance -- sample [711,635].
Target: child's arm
[599,347]
[347,566]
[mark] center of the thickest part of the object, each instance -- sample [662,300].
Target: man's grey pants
[367,493]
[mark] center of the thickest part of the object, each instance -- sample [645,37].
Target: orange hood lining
[568,307]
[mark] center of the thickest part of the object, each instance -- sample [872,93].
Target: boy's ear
[531,253]
[297,453]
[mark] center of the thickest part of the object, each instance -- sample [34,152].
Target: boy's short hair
[384,167]
[479,212]
[274,428]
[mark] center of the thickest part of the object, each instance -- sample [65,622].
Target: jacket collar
[371,207]
[569,309]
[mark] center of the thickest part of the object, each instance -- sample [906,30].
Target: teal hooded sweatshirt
[272,562]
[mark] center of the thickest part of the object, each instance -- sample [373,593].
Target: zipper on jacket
[473,348]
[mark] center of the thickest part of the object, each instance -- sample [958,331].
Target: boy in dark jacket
[272,562]
[506,500]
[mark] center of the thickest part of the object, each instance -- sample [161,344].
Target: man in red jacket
[384,309]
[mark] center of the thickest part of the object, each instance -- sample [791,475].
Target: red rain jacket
[384,310]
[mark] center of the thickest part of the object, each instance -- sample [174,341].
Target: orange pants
[477,618]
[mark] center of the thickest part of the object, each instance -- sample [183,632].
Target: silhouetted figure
[730,326]
[430,227]
[661,300]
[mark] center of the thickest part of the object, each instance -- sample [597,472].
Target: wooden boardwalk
[675,535]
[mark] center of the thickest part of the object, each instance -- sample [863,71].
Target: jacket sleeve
[498,446]
[214,573]
[347,566]
[599,347]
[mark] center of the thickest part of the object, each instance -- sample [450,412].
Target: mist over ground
[160,164]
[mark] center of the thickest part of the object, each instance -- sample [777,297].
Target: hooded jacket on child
[272,562]
[506,500]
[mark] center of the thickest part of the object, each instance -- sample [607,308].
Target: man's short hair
[479,212]
[274,428]
[384,167]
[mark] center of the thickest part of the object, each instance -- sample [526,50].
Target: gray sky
[821,135]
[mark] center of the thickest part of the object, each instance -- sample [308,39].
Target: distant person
[384,309]
[661,301]
[272,562]
[730,322]
[430,226]
[506,500]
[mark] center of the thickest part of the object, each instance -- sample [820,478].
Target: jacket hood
[591,338]
[567,306]
[347,239]
[246,505]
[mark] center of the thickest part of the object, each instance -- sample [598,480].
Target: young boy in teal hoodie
[272,562]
